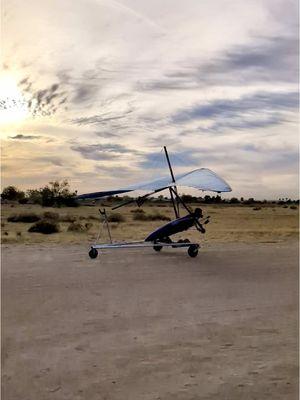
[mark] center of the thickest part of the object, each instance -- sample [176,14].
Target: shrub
[12,193]
[88,225]
[150,217]
[24,217]
[116,217]
[257,208]
[23,201]
[67,218]
[93,217]
[294,207]
[76,227]
[51,215]
[45,226]
[137,211]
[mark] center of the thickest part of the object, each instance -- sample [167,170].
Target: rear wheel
[93,253]
[157,248]
[193,250]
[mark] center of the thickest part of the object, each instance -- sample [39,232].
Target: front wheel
[193,250]
[93,253]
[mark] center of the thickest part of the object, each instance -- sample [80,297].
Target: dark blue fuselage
[175,226]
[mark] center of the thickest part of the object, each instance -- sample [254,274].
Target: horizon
[91,91]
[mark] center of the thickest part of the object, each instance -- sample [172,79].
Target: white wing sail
[202,179]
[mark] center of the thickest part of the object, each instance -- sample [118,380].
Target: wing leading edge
[202,179]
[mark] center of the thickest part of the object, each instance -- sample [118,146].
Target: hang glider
[202,179]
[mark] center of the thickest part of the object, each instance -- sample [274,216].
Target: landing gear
[157,248]
[93,253]
[163,240]
[193,250]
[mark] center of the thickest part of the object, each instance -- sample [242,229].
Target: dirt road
[140,325]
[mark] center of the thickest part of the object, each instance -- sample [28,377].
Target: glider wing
[202,179]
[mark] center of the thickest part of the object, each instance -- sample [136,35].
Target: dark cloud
[272,59]
[99,119]
[264,60]
[106,134]
[85,92]
[244,123]
[102,151]
[158,160]
[42,102]
[253,105]
[25,137]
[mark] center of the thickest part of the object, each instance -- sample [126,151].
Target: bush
[257,208]
[137,211]
[51,215]
[93,217]
[150,217]
[23,201]
[116,217]
[294,207]
[12,193]
[67,218]
[76,227]
[45,226]
[24,217]
[88,225]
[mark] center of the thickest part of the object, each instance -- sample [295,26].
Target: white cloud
[128,67]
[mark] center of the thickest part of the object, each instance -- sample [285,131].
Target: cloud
[247,108]
[25,137]
[58,161]
[106,134]
[99,119]
[158,160]
[102,151]
[272,59]
[42,102]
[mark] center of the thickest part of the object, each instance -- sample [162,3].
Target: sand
[141,325]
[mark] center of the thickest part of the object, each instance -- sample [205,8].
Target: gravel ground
[134,324]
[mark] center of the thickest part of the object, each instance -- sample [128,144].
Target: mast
[175,205]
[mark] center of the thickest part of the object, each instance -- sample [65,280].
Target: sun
[13,106]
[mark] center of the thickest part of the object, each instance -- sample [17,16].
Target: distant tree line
[55,194]
[58,194]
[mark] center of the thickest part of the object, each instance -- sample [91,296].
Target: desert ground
[136,324]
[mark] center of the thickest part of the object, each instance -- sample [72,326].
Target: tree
[58,194]
[34,196]
[12,193]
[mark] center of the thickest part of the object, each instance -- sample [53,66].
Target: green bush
[24,217]
[45,226]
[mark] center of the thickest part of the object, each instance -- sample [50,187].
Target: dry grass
[229,223]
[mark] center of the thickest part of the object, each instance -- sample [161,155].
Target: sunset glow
[13,106]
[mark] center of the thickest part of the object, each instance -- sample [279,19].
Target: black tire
[157,248]
[93,253]
[193,250]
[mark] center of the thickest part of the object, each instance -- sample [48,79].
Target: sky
[91,90]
